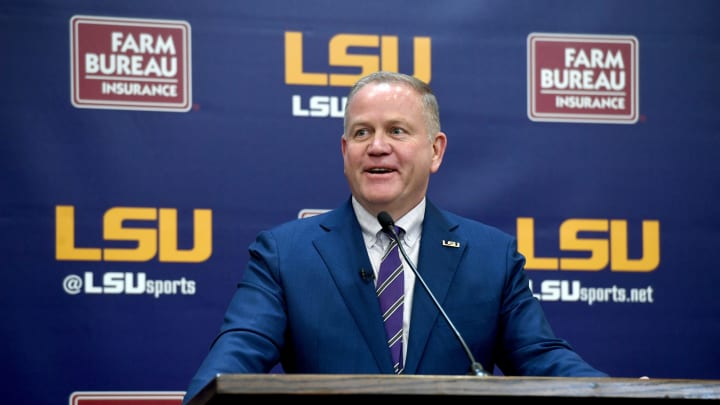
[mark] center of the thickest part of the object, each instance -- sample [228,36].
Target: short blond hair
[429,101]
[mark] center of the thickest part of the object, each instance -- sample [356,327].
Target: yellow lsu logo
[160,240]
[385,58]
[602,251]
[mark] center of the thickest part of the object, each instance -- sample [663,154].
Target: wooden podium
[322,388]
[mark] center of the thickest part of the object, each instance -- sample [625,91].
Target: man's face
[387,153]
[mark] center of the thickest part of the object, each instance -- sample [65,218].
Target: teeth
[379,170]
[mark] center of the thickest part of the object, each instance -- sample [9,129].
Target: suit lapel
[342,248]
[440,252]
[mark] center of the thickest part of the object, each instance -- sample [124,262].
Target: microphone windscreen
[385,220]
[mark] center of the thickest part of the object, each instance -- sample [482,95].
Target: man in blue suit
[308,298]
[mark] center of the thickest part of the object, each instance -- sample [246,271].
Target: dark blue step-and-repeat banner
[144,144]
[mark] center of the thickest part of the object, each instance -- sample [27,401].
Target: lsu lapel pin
[450,243]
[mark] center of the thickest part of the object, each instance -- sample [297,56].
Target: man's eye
[361,133]
[398,131]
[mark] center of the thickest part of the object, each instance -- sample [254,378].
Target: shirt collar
[411,223]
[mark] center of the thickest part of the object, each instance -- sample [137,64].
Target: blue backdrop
[145,143]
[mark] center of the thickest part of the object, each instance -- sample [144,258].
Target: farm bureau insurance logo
[583,78]
[130,64]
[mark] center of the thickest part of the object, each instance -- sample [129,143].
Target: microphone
[366,275]
[388,225]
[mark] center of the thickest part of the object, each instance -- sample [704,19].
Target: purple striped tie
[390,291]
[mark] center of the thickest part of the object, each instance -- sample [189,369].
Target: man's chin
[381,199]
[377,203]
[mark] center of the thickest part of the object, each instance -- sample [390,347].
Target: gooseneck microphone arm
[388,225]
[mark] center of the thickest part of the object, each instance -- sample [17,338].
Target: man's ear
[439,145]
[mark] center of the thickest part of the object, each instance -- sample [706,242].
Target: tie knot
[391,238]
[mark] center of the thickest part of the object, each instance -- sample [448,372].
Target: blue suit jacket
[303,302]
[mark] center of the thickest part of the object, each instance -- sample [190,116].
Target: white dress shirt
[376,242]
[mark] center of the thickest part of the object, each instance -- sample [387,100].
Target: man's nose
[380,143]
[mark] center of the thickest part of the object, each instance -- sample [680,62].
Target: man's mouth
[379,170]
